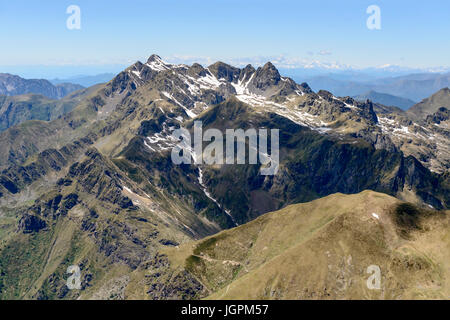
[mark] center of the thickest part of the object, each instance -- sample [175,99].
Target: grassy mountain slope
[431,105]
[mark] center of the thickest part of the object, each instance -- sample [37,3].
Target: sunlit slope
[322,249]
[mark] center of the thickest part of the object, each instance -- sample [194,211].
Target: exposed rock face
[314,166]
[16,177]
[182,286]
[194,88]
[224,71]
[443,114]
[247,73]
[96,176]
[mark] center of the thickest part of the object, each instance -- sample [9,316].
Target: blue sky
[294,33]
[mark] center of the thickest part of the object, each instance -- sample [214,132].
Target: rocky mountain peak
[154,58]
[368,112]
[325,95]
[196,70]
[269,66]
[247,72]
[444,93]
[306,88]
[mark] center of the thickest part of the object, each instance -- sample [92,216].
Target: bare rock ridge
[96,187]
[431,105]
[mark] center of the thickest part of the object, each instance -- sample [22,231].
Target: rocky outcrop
[96,176]
[224,71]
[182,285]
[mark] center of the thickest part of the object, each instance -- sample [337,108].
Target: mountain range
[359,184]
[19,108]
[86,80]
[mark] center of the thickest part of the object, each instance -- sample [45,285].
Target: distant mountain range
[86,81]
[386,99]
[12,85]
